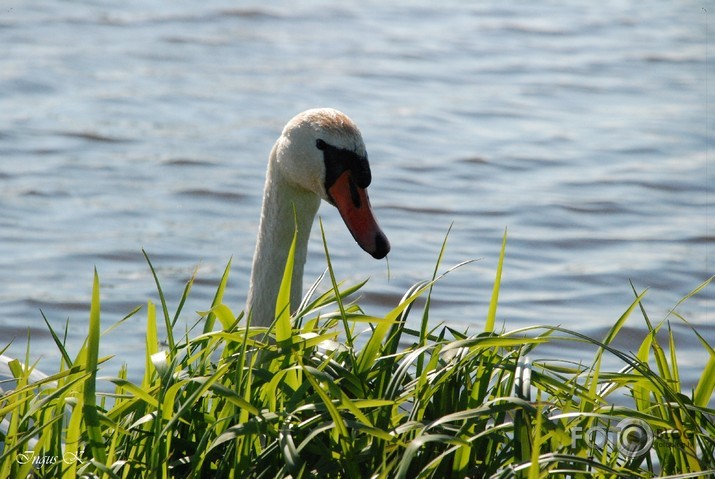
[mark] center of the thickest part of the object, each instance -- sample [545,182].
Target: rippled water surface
[580,127]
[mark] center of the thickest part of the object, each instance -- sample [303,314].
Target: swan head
[322,151]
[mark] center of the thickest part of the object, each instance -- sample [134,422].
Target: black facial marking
[338,161]
[354,195]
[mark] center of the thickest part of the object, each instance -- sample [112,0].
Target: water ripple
[577,127]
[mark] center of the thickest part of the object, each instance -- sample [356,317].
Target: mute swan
[319,155]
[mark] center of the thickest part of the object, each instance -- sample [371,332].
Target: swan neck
[286,208]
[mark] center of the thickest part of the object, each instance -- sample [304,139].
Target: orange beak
[354,207]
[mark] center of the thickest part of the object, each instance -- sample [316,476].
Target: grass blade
[492,313]
[706,384]
[284,329]
[89,408]
[218,298]
[165,309]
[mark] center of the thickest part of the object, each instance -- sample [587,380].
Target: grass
[309,398]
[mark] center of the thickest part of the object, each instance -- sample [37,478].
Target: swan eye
[339,160]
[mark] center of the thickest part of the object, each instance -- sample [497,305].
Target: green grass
[309,397]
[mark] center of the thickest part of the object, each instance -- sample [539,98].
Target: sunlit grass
[305,398]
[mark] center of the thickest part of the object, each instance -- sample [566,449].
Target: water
[144,124]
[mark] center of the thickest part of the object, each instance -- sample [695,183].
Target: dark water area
[581,128]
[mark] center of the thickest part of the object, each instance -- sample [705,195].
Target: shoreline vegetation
[305,398]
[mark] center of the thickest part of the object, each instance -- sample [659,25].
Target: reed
[315,396]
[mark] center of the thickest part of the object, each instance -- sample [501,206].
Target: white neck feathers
[285,207]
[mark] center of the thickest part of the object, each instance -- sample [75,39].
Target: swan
[319,155]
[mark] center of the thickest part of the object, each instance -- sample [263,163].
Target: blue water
[580,127]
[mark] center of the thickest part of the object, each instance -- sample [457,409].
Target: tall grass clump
[333,392]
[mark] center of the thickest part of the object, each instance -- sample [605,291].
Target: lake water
[580,127]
